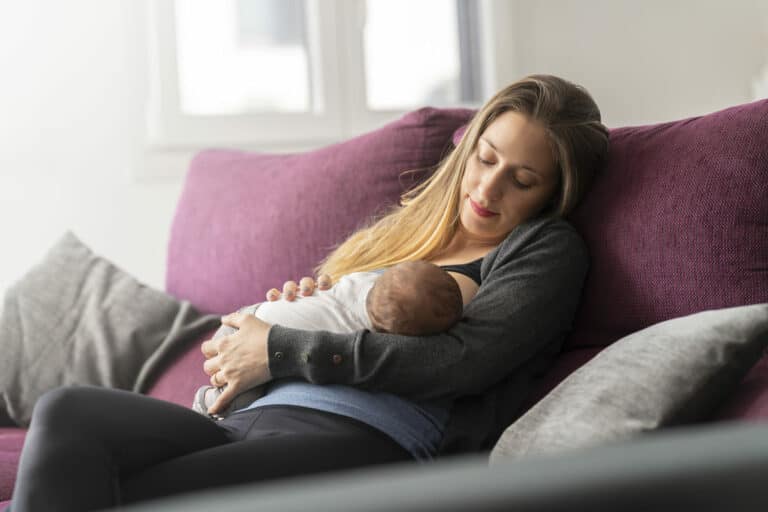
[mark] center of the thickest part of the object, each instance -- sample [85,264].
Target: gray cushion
[673,372]
[76,318]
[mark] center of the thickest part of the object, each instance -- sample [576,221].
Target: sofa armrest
[714,467]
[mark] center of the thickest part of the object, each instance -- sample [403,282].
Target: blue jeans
[91,448]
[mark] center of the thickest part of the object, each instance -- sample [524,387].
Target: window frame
[335,32]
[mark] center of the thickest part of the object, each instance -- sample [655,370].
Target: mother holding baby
[343,400]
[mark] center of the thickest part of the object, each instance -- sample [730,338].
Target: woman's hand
[306,288]
[239,360]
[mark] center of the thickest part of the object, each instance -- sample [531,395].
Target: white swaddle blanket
[340,309]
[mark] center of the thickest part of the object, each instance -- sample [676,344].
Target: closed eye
[522,185]
[489,163]
[518,183]
[484,162]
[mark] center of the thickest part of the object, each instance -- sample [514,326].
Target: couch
[676,223]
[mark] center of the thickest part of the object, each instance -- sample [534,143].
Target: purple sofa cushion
[677,223]
[247,222]
[750,402]
[11,441]
[184,375]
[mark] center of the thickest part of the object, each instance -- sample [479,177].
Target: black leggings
[91,448]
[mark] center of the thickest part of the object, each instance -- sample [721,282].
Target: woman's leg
[271,442]
[82,440]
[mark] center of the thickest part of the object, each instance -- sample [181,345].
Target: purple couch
[676,223]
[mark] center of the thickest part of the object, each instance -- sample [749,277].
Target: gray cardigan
[510,334]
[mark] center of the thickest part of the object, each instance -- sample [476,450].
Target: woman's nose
[491,185]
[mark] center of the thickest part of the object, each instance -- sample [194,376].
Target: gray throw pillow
[670,373]
[76,318]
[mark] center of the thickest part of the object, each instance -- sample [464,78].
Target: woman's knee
[64,404]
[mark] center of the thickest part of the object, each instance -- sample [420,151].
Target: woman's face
[510,177]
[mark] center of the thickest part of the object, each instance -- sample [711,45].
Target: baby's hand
[307,287]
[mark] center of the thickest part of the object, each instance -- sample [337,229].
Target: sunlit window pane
[240,56]
[411,53]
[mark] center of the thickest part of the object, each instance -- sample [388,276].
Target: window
[242,57]
[279,75]
[433,60]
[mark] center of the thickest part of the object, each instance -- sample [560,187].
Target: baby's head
[415,298]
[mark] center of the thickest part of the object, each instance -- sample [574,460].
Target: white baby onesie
[340,309]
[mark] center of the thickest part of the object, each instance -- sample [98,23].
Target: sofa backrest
[247,222]
[677,223]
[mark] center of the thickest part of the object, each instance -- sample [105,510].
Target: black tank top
[471,269]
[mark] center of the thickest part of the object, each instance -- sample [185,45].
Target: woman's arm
[531,289]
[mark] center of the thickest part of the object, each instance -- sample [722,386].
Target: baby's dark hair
[414,298]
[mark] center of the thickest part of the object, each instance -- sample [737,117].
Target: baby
[414,298]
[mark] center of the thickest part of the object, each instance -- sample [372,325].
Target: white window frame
[339,84]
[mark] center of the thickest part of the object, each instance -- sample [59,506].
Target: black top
[471,269]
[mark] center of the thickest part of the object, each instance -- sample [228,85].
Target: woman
[497,202]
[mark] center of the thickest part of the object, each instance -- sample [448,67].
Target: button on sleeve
[319,357]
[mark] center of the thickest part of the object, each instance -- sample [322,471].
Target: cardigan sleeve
[527,300]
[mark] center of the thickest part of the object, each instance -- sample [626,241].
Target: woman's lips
[480,210]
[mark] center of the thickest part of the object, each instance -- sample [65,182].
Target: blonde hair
[426,219]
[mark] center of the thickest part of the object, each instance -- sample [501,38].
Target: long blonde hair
[427,218]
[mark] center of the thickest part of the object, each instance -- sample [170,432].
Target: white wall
[73,86]
[645,61]
[72,99]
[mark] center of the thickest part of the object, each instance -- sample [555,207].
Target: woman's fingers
[211,366]
[307,286]
[208,348]
[324,282]
[273,295]
[216,380]
[289,290]
[227,395]
[243,360]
